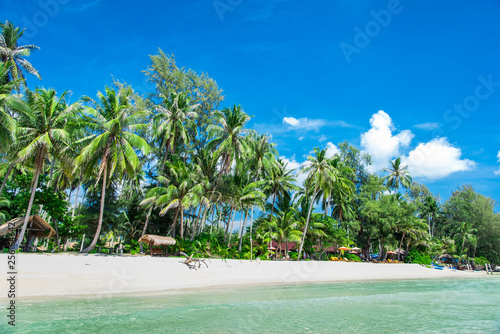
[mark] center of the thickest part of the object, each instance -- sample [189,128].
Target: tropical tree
[398,175]
[13,54]
[227,142]
[320,174]
[285,229]
[42,134]
[113,123]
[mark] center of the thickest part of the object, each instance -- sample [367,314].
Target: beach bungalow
[36,230]
[159,242]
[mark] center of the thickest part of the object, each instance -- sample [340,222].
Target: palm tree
[278,180]
[182,193]
[113,142]
[8,102]
[320,173]
[465,233]
[173,120]
[432,208]
[42,134]
[284,228]
[13,54]
[228,143]
[398,175]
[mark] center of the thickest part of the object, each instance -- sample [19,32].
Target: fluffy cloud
[331,149]
[436,159]
[380,143]
[291,121]
[498,171]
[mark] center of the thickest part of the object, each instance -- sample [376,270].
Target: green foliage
[480,261]
[418,257]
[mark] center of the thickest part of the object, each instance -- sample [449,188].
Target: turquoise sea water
[409,306]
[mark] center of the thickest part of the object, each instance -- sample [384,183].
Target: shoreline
[97,275]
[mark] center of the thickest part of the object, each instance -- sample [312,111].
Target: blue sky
[417,79]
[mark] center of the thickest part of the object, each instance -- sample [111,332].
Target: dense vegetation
[172,163]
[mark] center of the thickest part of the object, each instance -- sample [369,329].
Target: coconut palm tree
[398,175]
[13,54]
[42,134]
[278,180]
[284,228]
[227,142]
[182,192]
[432,208]
[320,173]
[111,152]
[465,233]
[173,120]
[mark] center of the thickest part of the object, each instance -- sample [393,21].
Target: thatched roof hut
[157,240]
[36,227]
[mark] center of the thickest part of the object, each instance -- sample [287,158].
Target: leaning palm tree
[13,54]
[227,142]
[42,134]
[398,175]
[111,151]
[320,174]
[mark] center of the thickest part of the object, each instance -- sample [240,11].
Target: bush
[293,255]
[418,257]
[480,261]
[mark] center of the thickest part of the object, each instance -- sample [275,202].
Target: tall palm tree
[465,233]
[173,120]
[8,101]
[398,175]
[13,54]
[432,208]
[111,152]
[227,142]
[278,180]
[320,173]
[42,134]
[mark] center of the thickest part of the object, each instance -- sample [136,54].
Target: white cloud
[291,121]
[331,149]
[427,126]
[307,124]
[436,159]
[380,143]
[498,157]
[322,138]
[301,138]
[296,166]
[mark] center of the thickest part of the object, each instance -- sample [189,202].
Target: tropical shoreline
[59,275]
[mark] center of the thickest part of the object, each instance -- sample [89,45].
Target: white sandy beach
[40,275]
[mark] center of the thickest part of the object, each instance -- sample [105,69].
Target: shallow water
[409,306]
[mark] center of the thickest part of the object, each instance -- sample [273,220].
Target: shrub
[418,257]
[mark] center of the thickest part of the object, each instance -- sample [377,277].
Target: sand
[45,275]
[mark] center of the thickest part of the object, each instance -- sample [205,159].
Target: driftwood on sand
[192,262]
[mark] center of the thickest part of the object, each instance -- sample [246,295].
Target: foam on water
[410,306]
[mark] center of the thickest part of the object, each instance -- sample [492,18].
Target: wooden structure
[37,228]
[157,241]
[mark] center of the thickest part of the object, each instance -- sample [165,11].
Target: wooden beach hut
[157,241]
[37,228]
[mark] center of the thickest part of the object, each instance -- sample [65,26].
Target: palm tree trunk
[76,199]
[7,174]
[145,227]
[251,241]
[101,212]
[228,222]
[241,231]
[307,223]
[203,219]
[195,227]
[175,221]
[401,244]
[231,229]
[28,212]
[182,221]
